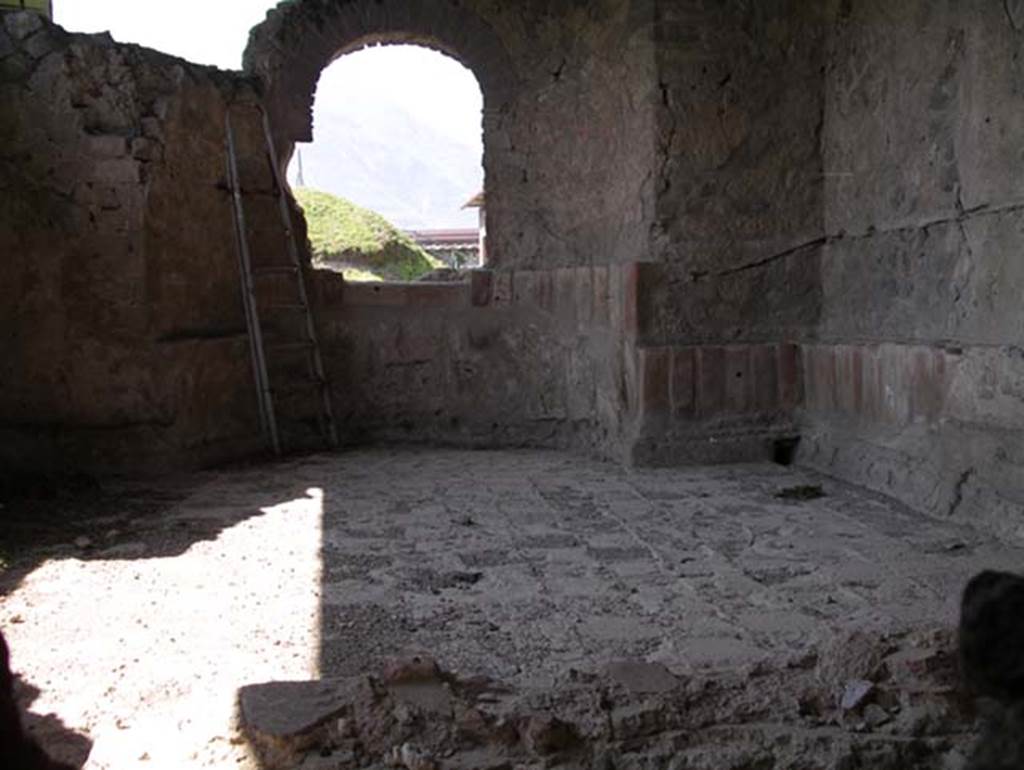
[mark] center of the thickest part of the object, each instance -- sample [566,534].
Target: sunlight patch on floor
[165,643]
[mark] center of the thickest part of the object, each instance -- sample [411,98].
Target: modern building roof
[450,239]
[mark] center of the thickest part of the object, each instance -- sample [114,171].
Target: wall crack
[774,257]
[1011,15]
[958,491]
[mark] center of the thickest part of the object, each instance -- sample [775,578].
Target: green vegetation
[360,243]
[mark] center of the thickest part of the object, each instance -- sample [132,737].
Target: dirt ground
[135,612]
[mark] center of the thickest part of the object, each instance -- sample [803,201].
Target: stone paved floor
[519,565]
[522,564]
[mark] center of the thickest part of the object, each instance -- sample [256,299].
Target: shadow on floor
[76,516]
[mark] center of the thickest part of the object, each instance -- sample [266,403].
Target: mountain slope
[380,157]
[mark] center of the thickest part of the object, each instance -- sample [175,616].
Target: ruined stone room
[713,460]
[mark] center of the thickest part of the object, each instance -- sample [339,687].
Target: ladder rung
[295,389]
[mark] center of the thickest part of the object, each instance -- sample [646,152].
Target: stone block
[845,389]
[21,24]
[105,196]
[502,293]
[544,290]
[481,284]
[601,304]
[823,373]
[684,382]
[630,298]
[524,290]
[655,367]
[152,128]
[118,171]
[871,384]
[146,149]
[711,368]
[927,389]
[616,305]
[39,45]
[895,400]
[106,146]
[738,379]
[804,364]
[584,295]
[368,294]
[856,354]
[412,342]
[436,295]
[565,293]
[765,373]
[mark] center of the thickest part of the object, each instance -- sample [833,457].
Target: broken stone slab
[852,657]
[875,716]
[641,677]
[285,719]
[21,24]
[856,694]
[40,44]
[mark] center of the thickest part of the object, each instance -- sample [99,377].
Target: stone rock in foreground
[992,636]
[992,664]
[285,719]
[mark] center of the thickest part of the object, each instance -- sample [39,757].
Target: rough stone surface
[920,396]
[760,608]
[419,362]
[125,340]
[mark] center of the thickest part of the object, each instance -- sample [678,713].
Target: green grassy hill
[359,243]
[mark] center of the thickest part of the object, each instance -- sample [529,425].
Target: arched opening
[299,41]
[397,153]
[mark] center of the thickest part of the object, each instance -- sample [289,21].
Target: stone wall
[124,343]
[916,383]
[739,173]
[523,358]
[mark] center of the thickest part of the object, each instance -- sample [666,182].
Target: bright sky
[216,32]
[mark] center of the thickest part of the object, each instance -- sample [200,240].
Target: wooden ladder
[287,365]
